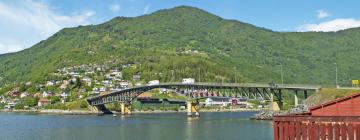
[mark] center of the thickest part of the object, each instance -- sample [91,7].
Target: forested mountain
[190,41]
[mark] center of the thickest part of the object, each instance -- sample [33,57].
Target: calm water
[176,126]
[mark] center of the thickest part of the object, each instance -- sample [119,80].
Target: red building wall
[345,107]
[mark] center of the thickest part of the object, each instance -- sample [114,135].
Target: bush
[83,104]
[54,99]
[30,101]
[19,106]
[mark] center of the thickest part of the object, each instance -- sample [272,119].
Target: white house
[64,95]
[188,81]
[50,83]
[217,101]
[153,82]
[45,94]
[124,84]
[96,91]
[102,89]
[23,95]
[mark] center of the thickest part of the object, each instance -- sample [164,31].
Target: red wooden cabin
[338,119]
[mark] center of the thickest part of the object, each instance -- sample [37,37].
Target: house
[239,102]
[64,95]
[106,82]
[188,81]
[346,106]
[86,79]
[116,73]
[64,84]
[50,83]
[24,94]
[10,105]
[43,102]
[14,93]
[47,94]
[37,95]
[163,90]
[217,101]
[124,84]
[153,82]
[102,89]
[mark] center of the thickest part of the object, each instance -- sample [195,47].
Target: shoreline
[87,112]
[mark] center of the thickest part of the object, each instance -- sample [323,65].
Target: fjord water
[166,126]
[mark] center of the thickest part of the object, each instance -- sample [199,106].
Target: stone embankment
[268,115]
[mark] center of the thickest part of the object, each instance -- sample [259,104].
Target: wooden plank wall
[316,130]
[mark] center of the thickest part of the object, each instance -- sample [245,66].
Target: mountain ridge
[165,35]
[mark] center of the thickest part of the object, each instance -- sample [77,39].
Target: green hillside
[192,41]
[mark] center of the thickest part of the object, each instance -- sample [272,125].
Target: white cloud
[32,21]
[114,8]
[322,14]
[146,9]
[7,48]
[332,25]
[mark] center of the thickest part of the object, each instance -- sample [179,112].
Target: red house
[346,106]
[337,119]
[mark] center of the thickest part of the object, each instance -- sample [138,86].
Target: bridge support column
[93,108]
[125,109]
[296,103]
[274,106]
[191,109]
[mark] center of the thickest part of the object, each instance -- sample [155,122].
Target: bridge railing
[248,85]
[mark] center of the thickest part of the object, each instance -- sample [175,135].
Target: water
[174,126]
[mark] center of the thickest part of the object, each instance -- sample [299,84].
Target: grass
[328,94]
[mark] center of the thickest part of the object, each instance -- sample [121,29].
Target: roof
[334,102]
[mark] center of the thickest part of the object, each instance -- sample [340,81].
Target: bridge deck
[217,85]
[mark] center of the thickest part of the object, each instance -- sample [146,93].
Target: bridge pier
[296,103]
[274,106]
[192,109]
[93,108]
[125,108]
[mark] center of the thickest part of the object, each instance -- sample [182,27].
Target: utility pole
[282,76]
[336,75]
[235,74]
[172,75]
[199,74]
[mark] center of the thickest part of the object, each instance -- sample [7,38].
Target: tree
[30,101]
[54,99]
[83,104]
[19,106]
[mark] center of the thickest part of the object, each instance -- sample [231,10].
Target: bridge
[198,90]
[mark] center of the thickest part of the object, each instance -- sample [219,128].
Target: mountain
[190,42]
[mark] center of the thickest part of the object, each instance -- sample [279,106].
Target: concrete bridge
[199,90]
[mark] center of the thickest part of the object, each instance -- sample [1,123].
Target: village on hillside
[76,83]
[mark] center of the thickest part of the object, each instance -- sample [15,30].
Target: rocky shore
[268,115]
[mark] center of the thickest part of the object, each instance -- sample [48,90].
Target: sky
[24,23]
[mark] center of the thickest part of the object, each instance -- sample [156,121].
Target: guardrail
[249,85]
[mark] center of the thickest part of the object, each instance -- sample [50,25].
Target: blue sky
[25,22]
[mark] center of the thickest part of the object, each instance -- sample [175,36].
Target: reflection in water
[172,126]
[189,127]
